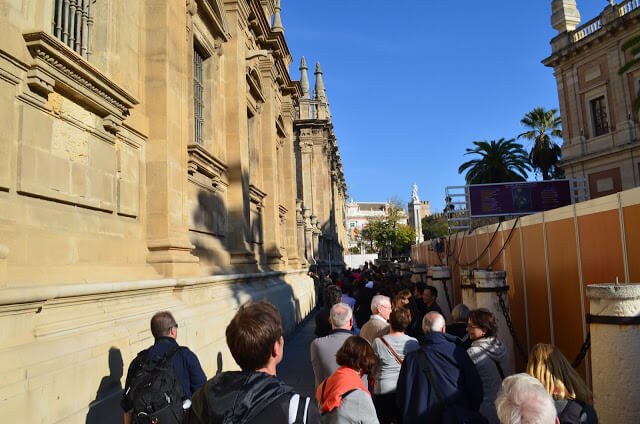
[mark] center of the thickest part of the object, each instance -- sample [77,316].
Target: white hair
[524,400]
[340,315]
[379,300]
[433,321]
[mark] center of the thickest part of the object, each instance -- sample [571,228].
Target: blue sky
[411,84]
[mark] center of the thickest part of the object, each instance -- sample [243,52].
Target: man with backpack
[162,378]
[439,381]
[254,395]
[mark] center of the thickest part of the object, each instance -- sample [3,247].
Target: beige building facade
[598,79]
[153,155]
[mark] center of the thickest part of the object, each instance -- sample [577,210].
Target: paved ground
[295,368]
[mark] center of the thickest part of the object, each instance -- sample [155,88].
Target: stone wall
[148,165]
[589,64]
[66,348]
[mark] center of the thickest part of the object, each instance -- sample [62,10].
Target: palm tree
[545,153]
[501,161]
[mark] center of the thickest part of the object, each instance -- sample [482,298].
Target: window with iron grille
[72,24]
[599,116]
[198,103]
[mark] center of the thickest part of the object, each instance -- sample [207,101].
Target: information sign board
[518,198]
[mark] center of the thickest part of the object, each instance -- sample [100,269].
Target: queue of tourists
[383,354]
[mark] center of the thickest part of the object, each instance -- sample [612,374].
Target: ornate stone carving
[56,67]
[256,196]
[202,162]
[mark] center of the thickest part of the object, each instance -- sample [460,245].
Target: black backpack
[155,392]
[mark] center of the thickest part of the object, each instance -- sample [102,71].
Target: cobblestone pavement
[295,368]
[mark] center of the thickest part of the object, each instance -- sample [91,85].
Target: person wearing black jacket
[185,363]
[451,369]
[332,296]
[254,395]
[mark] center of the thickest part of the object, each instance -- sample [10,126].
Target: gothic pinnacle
[319,91]
[277,20]
[304,78]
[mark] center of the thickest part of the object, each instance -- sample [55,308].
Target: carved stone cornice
[305,146]
[256,196]
[282,211]
[201,162]
[212,12]
[55,67]
[255,87]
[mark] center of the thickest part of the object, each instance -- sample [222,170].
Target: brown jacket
[374,328]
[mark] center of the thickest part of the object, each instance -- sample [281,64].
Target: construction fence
[549,259]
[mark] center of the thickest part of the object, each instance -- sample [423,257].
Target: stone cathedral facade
[154,155]
[597,71]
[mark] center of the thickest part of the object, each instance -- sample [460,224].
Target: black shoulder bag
[451,413]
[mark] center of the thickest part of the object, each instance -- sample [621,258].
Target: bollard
[419,273]
[615,343]
[467,289]
[440,278]
[489,285]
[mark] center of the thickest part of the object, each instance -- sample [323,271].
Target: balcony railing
[72,24]
[628,6]
[595,24]
[587,29]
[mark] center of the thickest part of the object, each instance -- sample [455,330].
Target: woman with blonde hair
[572,397]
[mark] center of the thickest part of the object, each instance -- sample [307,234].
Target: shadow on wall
[105,409]
[210,229]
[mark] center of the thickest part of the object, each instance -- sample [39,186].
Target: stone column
[269,161]
[165,94]
[237,143]
[299,228]
[306,168]
[308,236]
[615,343]
[4,254]
[487,297]
[440,277]
[316,238]
[467,289]
[289,187]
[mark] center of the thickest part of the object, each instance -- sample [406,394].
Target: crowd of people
[384,353]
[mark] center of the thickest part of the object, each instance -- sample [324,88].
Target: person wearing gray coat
[490,358]
[324,349]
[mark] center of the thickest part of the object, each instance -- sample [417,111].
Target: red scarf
[340,382]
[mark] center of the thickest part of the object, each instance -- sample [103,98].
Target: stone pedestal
[419,273]
[440,278]
[467,289]
[615,343]
[488,284]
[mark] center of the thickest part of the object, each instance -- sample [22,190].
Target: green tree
[542,126]
[434,226]
[500,162]
[387,235]
[633,45]
[405,236]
